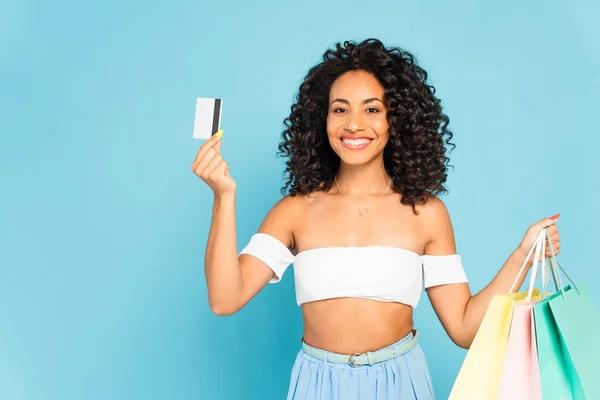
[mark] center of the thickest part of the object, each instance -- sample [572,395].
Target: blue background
[103,225]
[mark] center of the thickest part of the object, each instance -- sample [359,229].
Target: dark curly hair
[415,155]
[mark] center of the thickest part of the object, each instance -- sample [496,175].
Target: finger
[220,170]
[211,165]
[217,146]
[555,246]
[539,226]
[546,222]
[204,161]
[210,143]
[555,243]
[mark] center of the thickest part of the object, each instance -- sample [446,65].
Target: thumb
[547,222]
[217,146]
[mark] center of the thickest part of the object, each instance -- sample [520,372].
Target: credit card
[207,120]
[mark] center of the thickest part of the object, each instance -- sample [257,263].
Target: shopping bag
[557,373]
[479,375]
[578,322]
[567,327]
[520,375]
[481,371]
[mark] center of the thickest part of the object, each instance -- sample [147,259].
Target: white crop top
[382,273]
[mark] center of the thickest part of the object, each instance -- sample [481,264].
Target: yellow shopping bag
[479,377]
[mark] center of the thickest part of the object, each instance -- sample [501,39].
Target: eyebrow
[364,101]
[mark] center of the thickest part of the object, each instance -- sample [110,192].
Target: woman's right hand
[212,168]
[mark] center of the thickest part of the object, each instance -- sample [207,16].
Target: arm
[233,281]
[460,312]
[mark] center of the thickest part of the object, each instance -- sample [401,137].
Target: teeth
[358,142]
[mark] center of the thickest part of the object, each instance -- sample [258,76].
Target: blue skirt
[404,377]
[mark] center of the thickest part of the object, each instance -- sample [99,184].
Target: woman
[365,143]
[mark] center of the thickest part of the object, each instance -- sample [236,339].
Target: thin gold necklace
[363,210]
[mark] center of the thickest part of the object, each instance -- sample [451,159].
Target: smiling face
[357,125]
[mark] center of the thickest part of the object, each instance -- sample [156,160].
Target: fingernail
[555,216]
[219,133]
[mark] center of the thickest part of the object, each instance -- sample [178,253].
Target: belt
[368,358]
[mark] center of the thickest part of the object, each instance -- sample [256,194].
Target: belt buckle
[352,361]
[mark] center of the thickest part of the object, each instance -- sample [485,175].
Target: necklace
[362,211]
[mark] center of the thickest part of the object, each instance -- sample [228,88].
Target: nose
[354,123]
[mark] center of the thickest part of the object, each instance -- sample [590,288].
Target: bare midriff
[355,325]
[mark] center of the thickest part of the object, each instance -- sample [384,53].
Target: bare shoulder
[437,224]
[434,210]
[281,219]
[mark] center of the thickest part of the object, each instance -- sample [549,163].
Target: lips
[355,143]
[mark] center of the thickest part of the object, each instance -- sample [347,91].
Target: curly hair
[415,155]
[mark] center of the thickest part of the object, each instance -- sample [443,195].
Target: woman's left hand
[534,231]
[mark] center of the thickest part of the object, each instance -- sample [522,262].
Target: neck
[363,180]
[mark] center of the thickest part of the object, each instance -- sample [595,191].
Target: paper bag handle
[535,261]
[555,266]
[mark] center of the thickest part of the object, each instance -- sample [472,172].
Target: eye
[372,110]
[339,110]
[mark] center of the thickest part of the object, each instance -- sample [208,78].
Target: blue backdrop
[103,225]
